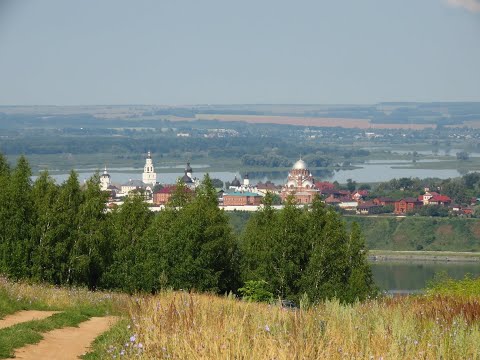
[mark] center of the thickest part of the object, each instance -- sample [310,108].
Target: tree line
[63,234]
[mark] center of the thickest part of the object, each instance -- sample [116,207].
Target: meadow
[442,323]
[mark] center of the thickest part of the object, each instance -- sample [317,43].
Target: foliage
[191,246]
[434,234]
[431,210]
[270,160]
[256,291]
[302,251]
[64,235]
[442,285]
[462,155]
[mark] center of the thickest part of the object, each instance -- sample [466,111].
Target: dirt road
[66,343]
[24,316]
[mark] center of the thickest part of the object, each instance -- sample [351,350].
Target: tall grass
[193,326]
[180,325]
[44,296]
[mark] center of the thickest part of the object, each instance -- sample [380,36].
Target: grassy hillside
[419,233]
[410,233]
[443,323]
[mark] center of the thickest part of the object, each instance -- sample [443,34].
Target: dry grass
[192,326]
[179,325]
[311,121]
[54,297]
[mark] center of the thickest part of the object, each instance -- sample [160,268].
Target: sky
[180,52]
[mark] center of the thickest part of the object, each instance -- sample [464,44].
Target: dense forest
[64,235]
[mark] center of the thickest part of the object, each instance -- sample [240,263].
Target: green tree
[193,246]
[17,242]
[180,196]
[274,247]
[351,185]
[325,276]
[67,207]
[128,224]
[360,278]
[5,209]
[45,229]
[256,245]
[91,252]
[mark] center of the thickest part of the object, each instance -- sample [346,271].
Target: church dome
[235,182]
[187,179]
[300,165]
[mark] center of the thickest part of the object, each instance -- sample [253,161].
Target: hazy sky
[67,52]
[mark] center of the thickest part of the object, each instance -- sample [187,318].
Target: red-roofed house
[332,200]
[425,198]
[439,200]
[324,185]
[360,194]
[408,204]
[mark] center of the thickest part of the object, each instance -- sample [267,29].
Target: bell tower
[149,175]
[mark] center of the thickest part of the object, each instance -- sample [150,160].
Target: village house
[384,201]
[439,200]
[367,208]
[323,186]
[405,205]
[332,200]
[360,195]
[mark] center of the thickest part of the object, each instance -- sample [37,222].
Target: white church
[149,180]
[149,176]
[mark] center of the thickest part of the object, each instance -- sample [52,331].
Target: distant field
[311,121]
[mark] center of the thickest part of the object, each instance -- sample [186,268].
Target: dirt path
[66,343]
[24,316]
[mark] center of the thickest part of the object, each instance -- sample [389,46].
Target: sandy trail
[24,316]
[66,343]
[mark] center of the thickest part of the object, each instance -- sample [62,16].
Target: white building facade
[149,176]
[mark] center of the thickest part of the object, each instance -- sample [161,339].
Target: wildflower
[128,326]
[267,328]
[122,352]
[140,345]
[133,338]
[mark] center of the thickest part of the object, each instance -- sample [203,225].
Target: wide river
[373,171]
[412,276]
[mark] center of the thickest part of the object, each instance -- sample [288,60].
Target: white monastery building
[149,176]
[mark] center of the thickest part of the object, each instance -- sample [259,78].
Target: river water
[412,276]
[368,172]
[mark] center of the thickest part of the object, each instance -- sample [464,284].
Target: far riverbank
[439,256]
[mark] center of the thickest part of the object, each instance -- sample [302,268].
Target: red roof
[324,185]
[440,198]
[332,200]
